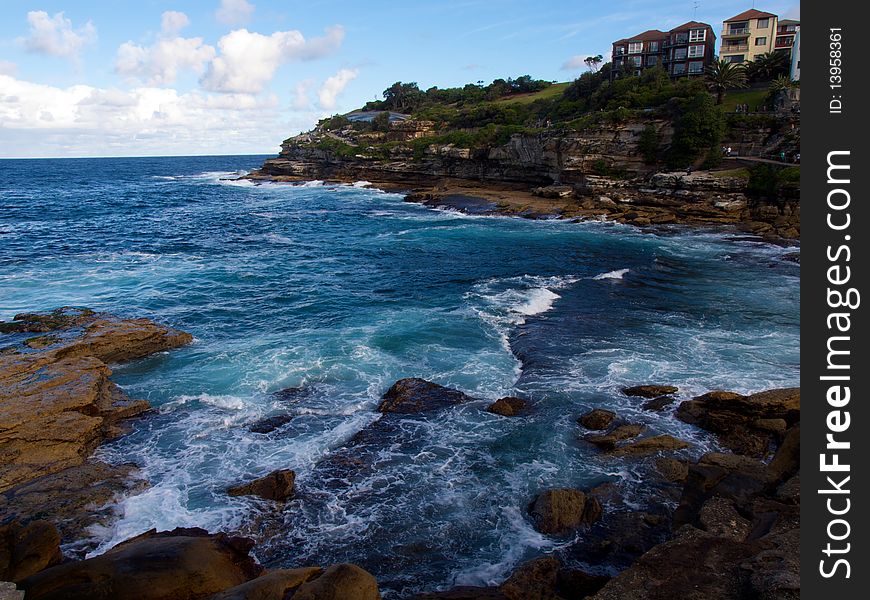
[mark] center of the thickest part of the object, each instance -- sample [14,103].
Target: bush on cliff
[698,128]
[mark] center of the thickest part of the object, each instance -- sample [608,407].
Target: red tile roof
[690,25]
[750,14]
[647,36]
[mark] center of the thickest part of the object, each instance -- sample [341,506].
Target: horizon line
[132,156]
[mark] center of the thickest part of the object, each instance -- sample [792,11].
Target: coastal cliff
[599,171]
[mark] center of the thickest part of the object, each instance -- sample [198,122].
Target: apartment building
[747,35]
[786,35]
[683,51]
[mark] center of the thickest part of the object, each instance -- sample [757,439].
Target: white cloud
[81,120]
[301,100]
[7,67]
[333,86]
[577,62]
[234,12]
[56,36]
[160,63]
[248,60]
[172,21]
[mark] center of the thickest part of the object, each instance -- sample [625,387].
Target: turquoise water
[340,291]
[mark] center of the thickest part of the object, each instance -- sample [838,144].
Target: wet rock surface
[508,407]
[278,485]
[597,419]
[650,391]
[561,511]
[414,395]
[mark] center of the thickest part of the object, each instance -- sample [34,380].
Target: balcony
[730,49]
[784,43]
[736,32]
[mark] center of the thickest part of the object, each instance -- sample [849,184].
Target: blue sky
[96,78]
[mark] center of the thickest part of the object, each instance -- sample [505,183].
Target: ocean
[337,291]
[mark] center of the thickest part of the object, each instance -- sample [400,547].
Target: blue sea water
[340,291]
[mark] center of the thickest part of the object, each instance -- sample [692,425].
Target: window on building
[696,66]
[763,23]
[653,47]
[620,50]
[635,47]
[637,61]
[679,68]
[737,28]
[696,51]
[697,35]
[735,58]
[761,41]
[681,38]
[652,61]
[679,53]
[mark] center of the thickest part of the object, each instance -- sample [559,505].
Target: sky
[194,77]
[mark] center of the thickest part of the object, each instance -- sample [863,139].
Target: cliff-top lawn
[548,92]
[753,98]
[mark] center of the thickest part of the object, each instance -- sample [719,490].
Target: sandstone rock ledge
[57,404]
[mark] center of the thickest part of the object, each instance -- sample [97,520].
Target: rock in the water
[269,424]
[609,440]
[597,419]
[650,391]
[651,445]
[560,511]
[340,582]
[744,424]
[25,550]
[672,470]
[277,584]
[414,395]
[278,485]
[507,407]
[533,580]
[659,403]
[183,563]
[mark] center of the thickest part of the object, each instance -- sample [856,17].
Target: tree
[403,96]
[698,129]
[649,142]
[768,66]
[723,76]
[381,122]
[593,62]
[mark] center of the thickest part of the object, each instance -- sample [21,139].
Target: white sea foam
[362,184]
[313,183]
[539,301]
[617,274]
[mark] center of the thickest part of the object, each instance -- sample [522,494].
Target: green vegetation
[649,142]
[754,98]
[723,76]
[698,128]
[766,180]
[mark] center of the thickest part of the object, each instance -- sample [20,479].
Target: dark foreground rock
[561,511]
[608,441]
[183,563]
[25,550]
[507,407]
[280,583]
[414,395]
[278,485]
[340,582]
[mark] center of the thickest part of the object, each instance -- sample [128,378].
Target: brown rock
[650,391]
[560,511]
[672,470]
[269,424]
[608,440]
[533,580]
[74,499]
[414,395]
[597,419]
[574,584]
[340,582]
[507,407]
[183,563]
[719,517]
[57,404]
[651,445]
[659,403]
[277,584]
[25,550]
[278,485]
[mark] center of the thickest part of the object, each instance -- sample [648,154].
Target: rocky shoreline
[724,526]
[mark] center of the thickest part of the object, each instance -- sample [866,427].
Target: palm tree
[723,75]
[767,66]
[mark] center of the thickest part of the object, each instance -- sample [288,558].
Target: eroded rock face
[183,563]
[280,583]
[414,395]
[56,400]
[608,441]
[25,550]
[744,424]
[507,407]
[560,511]
[651,445]
[278,485]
